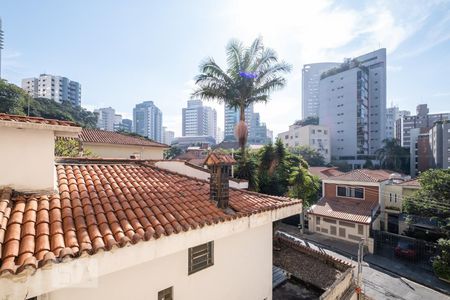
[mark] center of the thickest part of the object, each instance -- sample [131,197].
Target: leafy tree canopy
[308,121]
[14,100]
[312,157]
[393,156]
[433,199]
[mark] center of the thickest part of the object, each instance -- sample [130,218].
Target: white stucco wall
[325,228]
[124,151]
[181,167]
[27,159]
[237,273]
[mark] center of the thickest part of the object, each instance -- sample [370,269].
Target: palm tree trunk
[241,143]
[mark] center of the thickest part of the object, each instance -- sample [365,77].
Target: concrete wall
[124,151]
[237,273]
[182,168]
[325,227]
[340,287]
[27,159]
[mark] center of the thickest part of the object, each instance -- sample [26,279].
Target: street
[380,284]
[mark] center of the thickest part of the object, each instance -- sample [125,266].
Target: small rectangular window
[201,257]
[318,220]
[166,294]
[360,229]
[333,230]
[342,232]
[342,191]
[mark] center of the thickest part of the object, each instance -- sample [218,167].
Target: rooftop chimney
[220,167]
[27,152]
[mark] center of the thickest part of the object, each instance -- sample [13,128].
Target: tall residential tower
[147,120]
[199,120]
[310,87]
[52,87]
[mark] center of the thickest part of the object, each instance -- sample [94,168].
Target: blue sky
[125,52]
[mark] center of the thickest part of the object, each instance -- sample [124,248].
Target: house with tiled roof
[79,228]
[108,144]
[349,205]
[392,217]
[324,172]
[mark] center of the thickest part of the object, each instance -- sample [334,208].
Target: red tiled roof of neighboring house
[35,120]
[100,206]
[364,175]
[411,182]
[353,210]
[109,137]
[324,172]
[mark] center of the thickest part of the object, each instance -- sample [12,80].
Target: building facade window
[360,229]
[201,257]
[166,294]
[350,192]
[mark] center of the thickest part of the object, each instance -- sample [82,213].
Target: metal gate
[404,248]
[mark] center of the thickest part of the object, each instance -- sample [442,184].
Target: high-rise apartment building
[1,47]
[168,136]
[352,103]
[52,87]
[199,120]
[439,139]
[125,125]
[310,87]
[392,114]
[422,119]
[344,102]
[106,118]
[147,120]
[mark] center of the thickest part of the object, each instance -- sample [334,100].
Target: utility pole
[359,275]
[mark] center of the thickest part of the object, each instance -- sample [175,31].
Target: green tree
[70,148]
[252,74]
[393,156]
[308,121]
[312,156]
[433,199]
[304,185]
[172,152]
[248,170]
[12,98]
[441,264]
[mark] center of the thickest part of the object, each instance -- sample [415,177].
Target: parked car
[406,249]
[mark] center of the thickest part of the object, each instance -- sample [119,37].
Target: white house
[111,229]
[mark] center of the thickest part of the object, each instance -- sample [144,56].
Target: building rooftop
[35,120]
[364,175]
[324,172]
[105,204]
[109,137]
[411,183]
[353,210]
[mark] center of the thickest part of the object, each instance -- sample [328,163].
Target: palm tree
[252,74]
[393,156]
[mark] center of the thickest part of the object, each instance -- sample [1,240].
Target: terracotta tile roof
[216,158]
[35,120]
[109,137]
[324,172]
[412,183]
[354,210]
[102,206]
[364,175]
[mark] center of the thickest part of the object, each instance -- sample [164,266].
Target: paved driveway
[381,284]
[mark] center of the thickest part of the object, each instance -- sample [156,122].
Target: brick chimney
[220,167]
[27,152]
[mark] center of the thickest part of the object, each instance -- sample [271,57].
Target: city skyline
[119,64]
